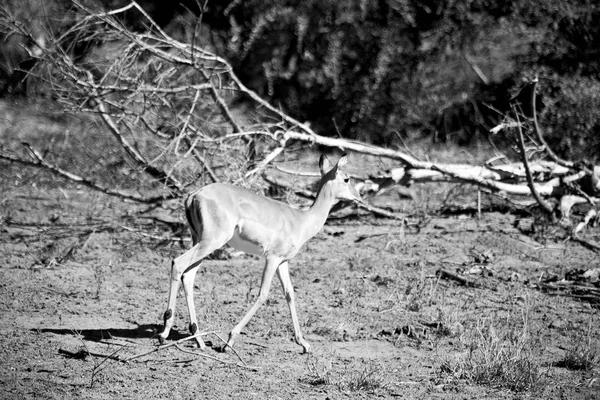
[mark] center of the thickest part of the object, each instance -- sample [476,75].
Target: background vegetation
[391,69]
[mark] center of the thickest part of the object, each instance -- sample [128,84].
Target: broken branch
[443,274]
[43,163]
[525,161]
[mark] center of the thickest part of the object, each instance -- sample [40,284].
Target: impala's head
[334,179]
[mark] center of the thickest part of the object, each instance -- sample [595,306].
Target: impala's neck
[317,214]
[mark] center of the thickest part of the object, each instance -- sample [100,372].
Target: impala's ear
[324,164]
[342,161]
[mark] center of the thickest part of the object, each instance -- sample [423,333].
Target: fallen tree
[168,105]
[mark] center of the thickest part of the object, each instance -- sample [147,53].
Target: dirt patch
[379,319]
[81,273]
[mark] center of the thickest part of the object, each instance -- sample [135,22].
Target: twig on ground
[415,225]
[81,354]
[120,342]
[226,346]
[379,211]
[364,237]
[586,243]
[112,356]
[155,237]
[166,346]
[443,274]
[571,289]
[242,365]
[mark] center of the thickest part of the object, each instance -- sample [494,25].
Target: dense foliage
[389,69]
[375,70]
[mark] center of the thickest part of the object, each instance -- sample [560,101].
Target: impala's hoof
[161,340]
[305,345]
[201,345]
[221,349]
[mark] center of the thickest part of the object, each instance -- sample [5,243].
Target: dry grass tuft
[366,376]
[580,358]
[501,355]
[583,354]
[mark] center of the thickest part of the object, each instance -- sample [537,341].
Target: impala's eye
[346,179]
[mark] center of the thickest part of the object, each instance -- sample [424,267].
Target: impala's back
[255,224]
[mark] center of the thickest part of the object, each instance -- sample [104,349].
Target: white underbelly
[239,243]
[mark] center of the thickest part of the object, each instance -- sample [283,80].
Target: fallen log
[443,274]
[571,289]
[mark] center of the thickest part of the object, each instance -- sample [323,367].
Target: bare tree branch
[525,161]
[135,154]
[263,164]
[40,162]
[538,131]
[169,106]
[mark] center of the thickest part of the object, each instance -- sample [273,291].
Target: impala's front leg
[267,278]
[288,291]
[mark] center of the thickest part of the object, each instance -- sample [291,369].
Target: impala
[220,214]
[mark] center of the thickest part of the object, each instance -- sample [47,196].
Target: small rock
[557,324]
[592,275]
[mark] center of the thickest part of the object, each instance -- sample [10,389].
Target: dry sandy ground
[380,321]
[83,273]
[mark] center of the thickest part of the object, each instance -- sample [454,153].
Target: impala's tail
[194,217]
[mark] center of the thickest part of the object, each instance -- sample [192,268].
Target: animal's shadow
[97,335]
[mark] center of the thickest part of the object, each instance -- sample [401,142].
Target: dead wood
[166,346]
[567,202]
[504,172]
[279,184]
[530,182]
[380,212]
[590,216]
[571,289]
[377,211]
[133,152]
[226,346]
[443,274]
[586,243]
[84,353]
[154,90]
[41,162]
[551,187]
[538,131]
[203,355]
[577,283]
[416,227]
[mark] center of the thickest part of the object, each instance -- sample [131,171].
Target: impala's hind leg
[184,270]
[178,267]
